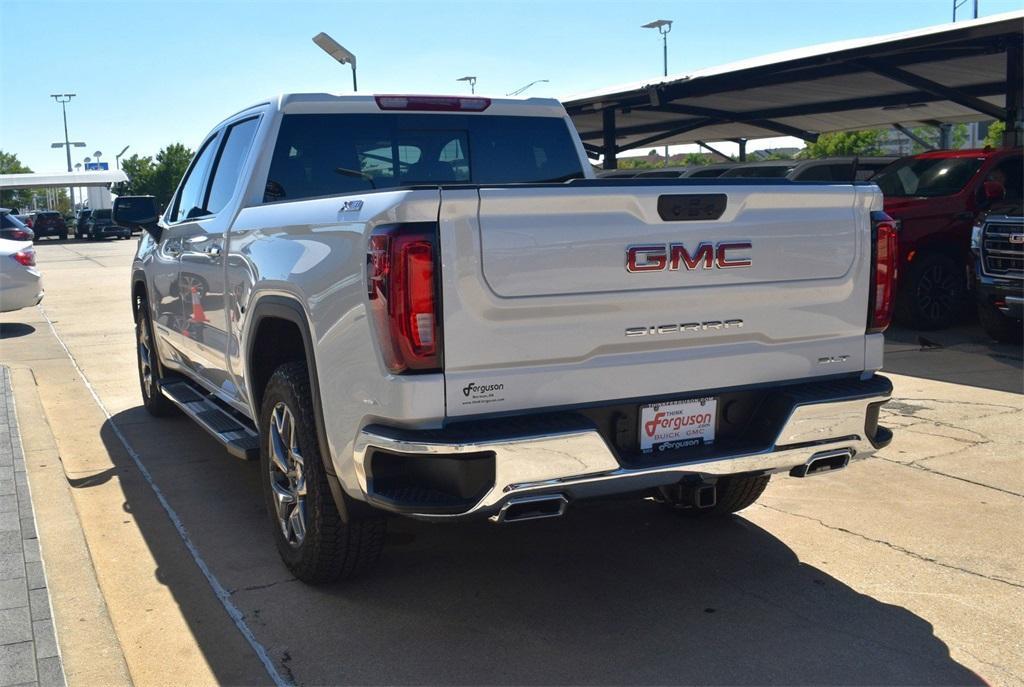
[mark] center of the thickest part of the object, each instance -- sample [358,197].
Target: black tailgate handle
[690,207]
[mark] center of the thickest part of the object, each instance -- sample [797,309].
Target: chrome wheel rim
[145,359]
[287,476]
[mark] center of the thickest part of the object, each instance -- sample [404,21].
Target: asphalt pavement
[907,568]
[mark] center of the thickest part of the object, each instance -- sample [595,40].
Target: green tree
[140,172]
[867,142]
[10,164]
[696,159]
[994,137]
[171,163]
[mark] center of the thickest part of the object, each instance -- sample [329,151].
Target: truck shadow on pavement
[616,592]
[961,355]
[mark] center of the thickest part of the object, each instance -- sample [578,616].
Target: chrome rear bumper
[578,463]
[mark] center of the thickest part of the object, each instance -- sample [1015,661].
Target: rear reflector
[881,300]
[26,257]
[402,290]
[432,103]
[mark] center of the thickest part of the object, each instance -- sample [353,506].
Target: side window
[229,164]
[190,199]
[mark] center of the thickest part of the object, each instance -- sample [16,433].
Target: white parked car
[21,285]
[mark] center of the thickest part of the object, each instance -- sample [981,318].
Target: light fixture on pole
[117,158]
[64,99]
[523,89]
[663,26]
[339,53]
[472,83]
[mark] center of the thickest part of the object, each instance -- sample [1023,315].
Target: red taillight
[883,274]
[402,289]
[26,257]
[432,103]
[19,235]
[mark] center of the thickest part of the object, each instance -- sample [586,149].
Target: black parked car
[998,245]
[100,225]
[47,223]
[13,228]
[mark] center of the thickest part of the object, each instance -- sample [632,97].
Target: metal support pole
[608,120]
[945,136]
[355,86]
[1013,135]
[67,144]
[743,149]
[664,46]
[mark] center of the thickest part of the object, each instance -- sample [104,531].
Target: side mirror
[994,191]
[137,211]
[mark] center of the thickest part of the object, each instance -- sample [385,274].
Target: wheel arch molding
[290,310]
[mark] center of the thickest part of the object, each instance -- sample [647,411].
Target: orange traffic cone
[197,307]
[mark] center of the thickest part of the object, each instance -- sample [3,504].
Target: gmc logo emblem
[707,256]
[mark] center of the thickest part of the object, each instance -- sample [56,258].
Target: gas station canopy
[61,179]
[968,71]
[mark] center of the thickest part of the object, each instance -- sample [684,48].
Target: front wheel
[314,542]
[153,400]
[732,494]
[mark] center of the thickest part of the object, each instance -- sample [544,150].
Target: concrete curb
[89,647]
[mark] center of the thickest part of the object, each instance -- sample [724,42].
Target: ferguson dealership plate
[677,424]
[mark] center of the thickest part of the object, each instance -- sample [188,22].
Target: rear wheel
[316,544]
[998,326]
[63,236]
[153,400]
[732,494]
[933,293]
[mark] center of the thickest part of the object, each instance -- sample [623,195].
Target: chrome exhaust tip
[826,461]
[532,508]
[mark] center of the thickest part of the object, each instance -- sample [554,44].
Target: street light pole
[64,99]
[523,89]
[117,158]
[339,53]
[472,83]
[663,26]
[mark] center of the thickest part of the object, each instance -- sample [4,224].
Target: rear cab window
[331,154]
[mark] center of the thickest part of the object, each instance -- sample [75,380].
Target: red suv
[935,197]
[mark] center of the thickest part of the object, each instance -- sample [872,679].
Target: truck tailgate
[543,307]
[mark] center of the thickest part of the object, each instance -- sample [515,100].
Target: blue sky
[148,73]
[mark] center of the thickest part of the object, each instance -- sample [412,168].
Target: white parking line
[218,589]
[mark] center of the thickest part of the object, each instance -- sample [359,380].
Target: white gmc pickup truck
[428,306]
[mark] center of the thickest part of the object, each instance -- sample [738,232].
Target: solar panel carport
[963,72]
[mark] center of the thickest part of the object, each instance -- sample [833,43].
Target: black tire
[732,494]
[933,293]
[155,403]
[329,547]
[998,326]
[63,236]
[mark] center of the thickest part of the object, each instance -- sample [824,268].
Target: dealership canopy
[78,179]
[963,72]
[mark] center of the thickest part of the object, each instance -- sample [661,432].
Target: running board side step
[225,425]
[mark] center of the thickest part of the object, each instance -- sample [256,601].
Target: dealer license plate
[677,424]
